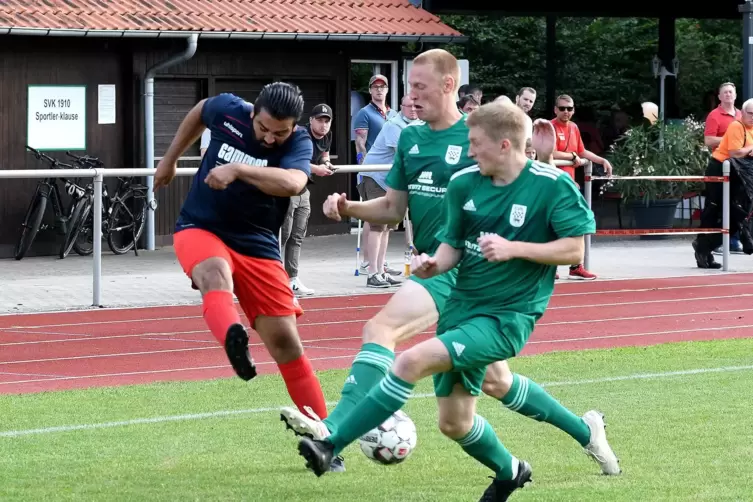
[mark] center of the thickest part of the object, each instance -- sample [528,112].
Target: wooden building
[110,47]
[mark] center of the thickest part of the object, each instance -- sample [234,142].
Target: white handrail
[98,175]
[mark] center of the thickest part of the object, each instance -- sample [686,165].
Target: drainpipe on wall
[149,126]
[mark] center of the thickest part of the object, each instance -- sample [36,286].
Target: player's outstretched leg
[410,311]
[524,396]
[209,264]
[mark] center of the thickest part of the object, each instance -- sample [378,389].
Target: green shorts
[439,287]
[474,341]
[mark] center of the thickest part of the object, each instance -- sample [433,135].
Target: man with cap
[296,221]
[367,125]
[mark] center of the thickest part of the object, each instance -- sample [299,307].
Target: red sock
[220,313]
[303,386]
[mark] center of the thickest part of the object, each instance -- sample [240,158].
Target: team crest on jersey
[518,215]
[452,156]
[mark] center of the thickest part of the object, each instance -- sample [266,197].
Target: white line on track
[170,336]
[362,307]
[306,342]
[251,411]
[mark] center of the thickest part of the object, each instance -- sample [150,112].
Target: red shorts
[261,285]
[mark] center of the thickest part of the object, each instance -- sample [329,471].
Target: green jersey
[424,162]
[542,205]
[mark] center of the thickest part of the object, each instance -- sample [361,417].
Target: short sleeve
[300,153]
[396,177]
[362,120]
[213,106]
[452,232]
[570,215]
[712,125]
[391,134]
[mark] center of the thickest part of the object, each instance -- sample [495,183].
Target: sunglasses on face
[565,108]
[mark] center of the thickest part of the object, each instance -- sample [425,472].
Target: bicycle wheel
[75,224]
[84,243]
[127,222]
[31,224]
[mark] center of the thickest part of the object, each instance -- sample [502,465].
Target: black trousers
[711,217]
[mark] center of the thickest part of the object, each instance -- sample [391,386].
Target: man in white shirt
[373,186]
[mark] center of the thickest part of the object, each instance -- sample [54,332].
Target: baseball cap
[321,110]
[378,77]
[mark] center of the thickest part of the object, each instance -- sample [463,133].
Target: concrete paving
[327,265]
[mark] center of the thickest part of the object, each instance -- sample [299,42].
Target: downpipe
[149,128]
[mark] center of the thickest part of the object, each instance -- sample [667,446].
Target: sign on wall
[56,118]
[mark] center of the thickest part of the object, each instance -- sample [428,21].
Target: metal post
[588,187]
[661,108]
[97,236]
[149,146]
[725,216]
[747,10]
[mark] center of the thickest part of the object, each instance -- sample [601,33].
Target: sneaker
[735,247]
[391,271]
[581,273]
[311,427]
[704,260]
[236,348]
[599,449]
[501,489]
[319,455]
[391,281]
[365,266]
[376,281]
[299,288]
[308,426]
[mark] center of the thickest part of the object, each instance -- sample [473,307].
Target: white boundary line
[367,293]
[230,413]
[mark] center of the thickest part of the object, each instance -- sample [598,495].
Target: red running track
[64,350]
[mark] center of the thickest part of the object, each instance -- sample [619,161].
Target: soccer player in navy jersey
[226,237]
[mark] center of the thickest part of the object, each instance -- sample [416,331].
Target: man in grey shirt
[373,186]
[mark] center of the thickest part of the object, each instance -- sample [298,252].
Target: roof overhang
[234,35]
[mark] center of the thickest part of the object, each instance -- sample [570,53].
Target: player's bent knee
[410,365]
[212,274]
[455,427]
[498,380]
[379,332]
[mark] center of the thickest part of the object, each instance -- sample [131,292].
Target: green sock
[527,398]
[381,402]
[483,444]
[369,367]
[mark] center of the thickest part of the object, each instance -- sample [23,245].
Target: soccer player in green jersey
[427,156]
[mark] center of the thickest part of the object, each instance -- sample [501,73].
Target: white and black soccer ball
[392,442]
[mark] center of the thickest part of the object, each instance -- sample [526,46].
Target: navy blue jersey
[245,218]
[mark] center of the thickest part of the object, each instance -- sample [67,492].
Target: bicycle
[46,191]
[80,211]
[122,214]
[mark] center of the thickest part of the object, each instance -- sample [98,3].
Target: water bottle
[408,256]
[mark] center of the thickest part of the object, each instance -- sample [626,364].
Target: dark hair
[466,99]
[281,100]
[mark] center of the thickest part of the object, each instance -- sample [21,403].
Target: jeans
[294,230]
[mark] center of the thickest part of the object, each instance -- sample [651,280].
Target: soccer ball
[392,442]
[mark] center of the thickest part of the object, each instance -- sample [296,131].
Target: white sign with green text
[56,118]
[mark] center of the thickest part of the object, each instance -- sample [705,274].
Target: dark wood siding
[173,99]
[45,61]
[318,69]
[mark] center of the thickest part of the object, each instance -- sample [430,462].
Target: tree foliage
[602,62]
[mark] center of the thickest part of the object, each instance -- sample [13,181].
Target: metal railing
[98,176]
[724,179]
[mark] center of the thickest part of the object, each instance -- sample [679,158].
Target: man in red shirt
[716,125]
[570,147]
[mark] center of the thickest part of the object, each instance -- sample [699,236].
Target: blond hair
[500,121]
[443,62]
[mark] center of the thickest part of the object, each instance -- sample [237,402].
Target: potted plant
[642,152]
